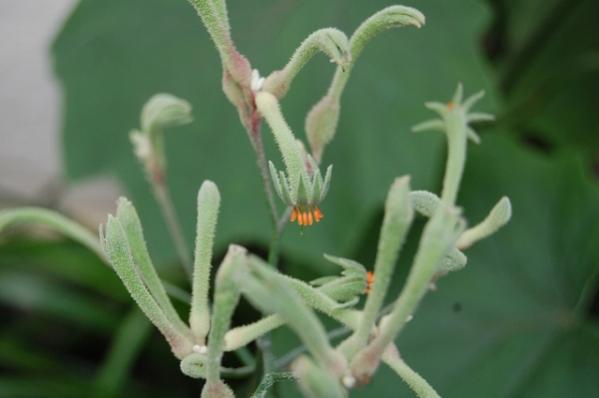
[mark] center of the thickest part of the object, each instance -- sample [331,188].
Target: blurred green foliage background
[520,321]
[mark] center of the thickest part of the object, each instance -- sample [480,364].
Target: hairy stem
[416,382]
[162,195]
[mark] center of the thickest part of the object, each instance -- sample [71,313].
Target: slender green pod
[396,224]
[208,205]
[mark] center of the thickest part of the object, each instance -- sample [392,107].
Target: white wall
[30,108]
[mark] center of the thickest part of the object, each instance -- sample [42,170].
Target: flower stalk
[160,112]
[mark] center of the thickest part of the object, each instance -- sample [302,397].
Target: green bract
[309,191]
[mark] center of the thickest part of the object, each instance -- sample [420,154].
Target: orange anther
[450,105]
[369,281]
[293,215]
[318,214]
[310,220]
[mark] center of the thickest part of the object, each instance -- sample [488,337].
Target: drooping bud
[330,41]
[497,218]
[160,112]
[321,122]
[164,111]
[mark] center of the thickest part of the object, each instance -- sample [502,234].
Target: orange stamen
[318,214]
[305,218]
[369,281]
[450,105]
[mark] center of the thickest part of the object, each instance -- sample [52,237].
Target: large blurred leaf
[516,321]
[63,330]
[113,54]
[553,101]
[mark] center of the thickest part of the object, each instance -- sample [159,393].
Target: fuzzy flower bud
[160,112]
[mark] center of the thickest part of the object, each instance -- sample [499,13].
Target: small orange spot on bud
[450,105]
[369,281]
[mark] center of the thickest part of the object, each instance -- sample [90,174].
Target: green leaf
[515,322]
[552,101]
[112,55]
[68,261]
[126,346]
[31,292]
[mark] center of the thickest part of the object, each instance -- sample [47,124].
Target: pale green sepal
[432,125]
[479,117]
[472,100]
